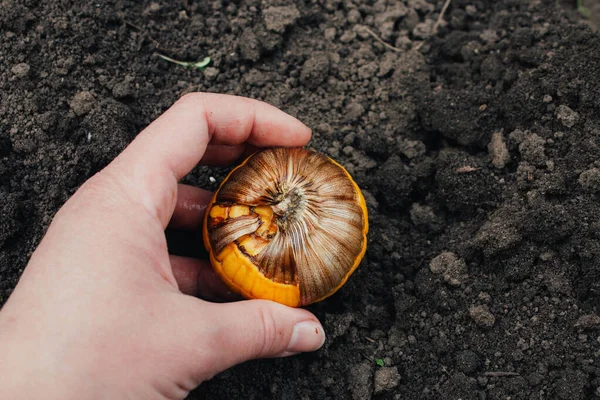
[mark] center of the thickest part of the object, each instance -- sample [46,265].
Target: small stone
[422,215]
[482,316]
[211,73]
[498,150]
[590,180]
[547,99]
[471,10]
[438,264]
[354,16]
[256,77]
[467,361]
[411,148]
[367,71]
[315,70]
[63,65]
[386,30]
[354,111]
[532,149]
[325,129]
[588,321]
[340,324]
[82,103]
[277,19]
[330,33]
[21,70]
[362,161]
[182,16]
[361,31]
[90,59]
[566,116]
[489,36]
[250,47]
[122,90]
[349,139]
[491,67]
[452,268]
[535,378]
[47,121]
[386,378]
[423,30]
[517,355]
[403,42]
[348,36]
[472,50]
[484,297]
[387,63]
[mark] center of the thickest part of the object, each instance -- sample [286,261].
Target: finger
[190,207]
[222,155]
[252,329]
[171,146]
[196,278]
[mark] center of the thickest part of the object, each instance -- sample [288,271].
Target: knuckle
[270,339]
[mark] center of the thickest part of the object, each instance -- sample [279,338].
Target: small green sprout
[199,65]
[379,362]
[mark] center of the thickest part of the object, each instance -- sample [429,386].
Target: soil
[478,148]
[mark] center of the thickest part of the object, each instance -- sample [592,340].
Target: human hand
[103,311]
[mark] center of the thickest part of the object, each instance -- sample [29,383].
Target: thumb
[252,329]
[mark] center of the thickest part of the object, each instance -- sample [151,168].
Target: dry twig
[380,40]
[500,374]
[439,20]
[466,169]
[437,23]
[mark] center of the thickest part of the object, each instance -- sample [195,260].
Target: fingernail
[307,336]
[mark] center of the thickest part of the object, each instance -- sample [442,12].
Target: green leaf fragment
[379,362]
[202,64]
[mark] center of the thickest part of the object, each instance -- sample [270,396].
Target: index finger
[177,140]
[173,144]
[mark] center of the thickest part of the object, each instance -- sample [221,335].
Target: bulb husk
[288,225]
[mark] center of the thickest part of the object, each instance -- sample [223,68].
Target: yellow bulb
[287,225]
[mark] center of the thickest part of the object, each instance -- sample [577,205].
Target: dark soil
[479,154]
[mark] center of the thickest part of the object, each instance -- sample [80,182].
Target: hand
[102,309]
